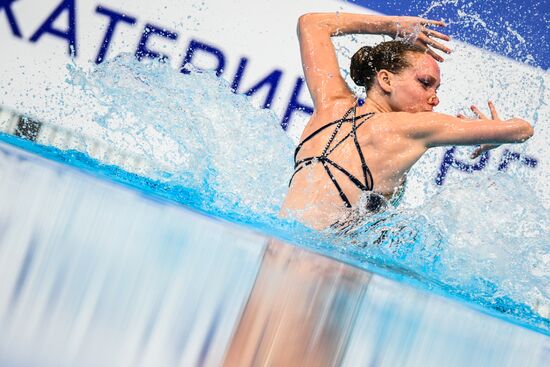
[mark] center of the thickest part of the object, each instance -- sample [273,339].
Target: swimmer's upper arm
[319,61]
[436,129]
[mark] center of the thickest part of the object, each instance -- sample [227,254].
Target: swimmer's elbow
[305,18]
[305,21]
[312,22]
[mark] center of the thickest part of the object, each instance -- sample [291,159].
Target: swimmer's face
[414,89]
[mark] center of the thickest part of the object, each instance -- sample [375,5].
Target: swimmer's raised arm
[437,129]
[319,57]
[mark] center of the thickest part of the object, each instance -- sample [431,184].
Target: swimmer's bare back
[396,124]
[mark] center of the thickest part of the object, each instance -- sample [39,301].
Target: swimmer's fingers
[424,41]
[429,41]
[436,34]
[494,114]
[429,51]
[478,113]
[434,54]
[485,147]
[429,22]
[482,149]
[476,153]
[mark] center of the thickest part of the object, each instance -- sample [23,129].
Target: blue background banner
[517,29]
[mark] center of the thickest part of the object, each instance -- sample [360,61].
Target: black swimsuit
[367,184]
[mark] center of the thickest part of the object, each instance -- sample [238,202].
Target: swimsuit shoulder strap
[313,134]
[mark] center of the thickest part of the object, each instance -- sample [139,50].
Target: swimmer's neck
[376,103]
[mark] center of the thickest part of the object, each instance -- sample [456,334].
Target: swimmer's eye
[426,84]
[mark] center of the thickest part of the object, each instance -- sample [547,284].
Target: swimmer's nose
[433,101]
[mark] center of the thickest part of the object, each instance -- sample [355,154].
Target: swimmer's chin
[420,110]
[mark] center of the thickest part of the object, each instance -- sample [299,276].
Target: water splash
[233,160]
[471,17]
[192,130]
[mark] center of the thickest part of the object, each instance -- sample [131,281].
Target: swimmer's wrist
[388,25]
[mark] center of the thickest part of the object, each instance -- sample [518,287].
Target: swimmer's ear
[384,80]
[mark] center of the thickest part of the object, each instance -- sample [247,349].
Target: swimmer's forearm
[335,24]
[447,130]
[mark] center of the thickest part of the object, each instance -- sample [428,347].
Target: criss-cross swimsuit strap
[313,134]
[326,162]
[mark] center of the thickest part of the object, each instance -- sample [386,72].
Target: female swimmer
[351,155]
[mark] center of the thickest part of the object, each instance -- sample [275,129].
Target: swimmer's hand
[415,30]
[494,116]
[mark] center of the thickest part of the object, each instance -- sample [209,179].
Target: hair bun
[361,67]
[389,55]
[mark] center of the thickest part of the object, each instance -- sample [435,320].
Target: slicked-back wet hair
[368,61]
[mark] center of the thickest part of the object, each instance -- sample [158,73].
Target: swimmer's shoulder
[406,122]
[333,111]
